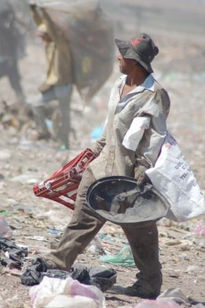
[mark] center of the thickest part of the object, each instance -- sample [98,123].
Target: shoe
[140,291]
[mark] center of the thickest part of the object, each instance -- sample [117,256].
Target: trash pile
[101,277]
[85,284]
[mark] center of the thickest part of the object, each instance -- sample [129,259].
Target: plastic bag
[64,301]
[174,179]
[54,292]
[123,258]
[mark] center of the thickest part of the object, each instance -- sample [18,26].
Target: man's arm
[153,138]
[147,133]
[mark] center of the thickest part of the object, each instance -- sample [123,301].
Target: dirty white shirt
[135,129]
[139,124]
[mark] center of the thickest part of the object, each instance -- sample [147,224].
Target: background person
[58,84]
[12,47]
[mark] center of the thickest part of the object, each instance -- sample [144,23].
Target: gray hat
[142,49]
[120,200]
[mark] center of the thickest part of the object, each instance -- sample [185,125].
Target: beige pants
[85,225]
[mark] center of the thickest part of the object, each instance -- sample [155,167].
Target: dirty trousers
[61,93]
[84,225]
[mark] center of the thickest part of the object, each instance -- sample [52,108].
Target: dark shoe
[140,291]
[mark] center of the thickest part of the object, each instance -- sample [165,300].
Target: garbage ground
[37,223]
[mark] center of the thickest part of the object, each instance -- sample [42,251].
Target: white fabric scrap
[135,132]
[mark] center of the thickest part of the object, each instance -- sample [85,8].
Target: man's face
[125,65]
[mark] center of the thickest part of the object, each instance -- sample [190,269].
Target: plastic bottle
[5,230]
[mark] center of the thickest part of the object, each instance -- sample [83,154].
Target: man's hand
[139,174]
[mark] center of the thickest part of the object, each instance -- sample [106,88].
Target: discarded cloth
[33,274]
[101,277]
[13,255]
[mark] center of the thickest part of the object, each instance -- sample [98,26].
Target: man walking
[134,134]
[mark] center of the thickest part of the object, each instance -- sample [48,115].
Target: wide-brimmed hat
[142,49]
[119,199]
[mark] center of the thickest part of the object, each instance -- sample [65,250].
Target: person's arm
[55,33]
[42,29]
[153,139]
[98,145]
[147,133]
[37,17]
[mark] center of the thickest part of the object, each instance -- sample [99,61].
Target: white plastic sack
[65,293]
[66,301]
[174,179]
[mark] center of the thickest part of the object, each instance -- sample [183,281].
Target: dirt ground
[38,223]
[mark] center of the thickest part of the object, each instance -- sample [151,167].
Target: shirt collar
[148,84]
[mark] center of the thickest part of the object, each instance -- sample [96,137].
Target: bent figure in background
[59,78]
[11,48]
[79,49]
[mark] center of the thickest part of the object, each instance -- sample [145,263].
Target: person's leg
[14,79]
[39,112]
[145,248]
[63,94]
[81,230]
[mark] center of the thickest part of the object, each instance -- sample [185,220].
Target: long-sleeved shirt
[143,109]
[59,66]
